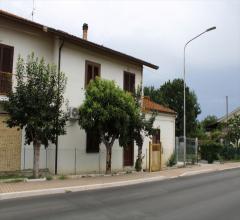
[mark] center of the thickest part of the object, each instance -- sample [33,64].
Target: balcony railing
[5,83]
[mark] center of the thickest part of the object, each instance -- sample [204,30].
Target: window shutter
[96,72]
[125,81]
[132,83]
[91,71]
[93,142]
[7,56]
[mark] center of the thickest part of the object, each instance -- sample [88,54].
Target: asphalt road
[206,196]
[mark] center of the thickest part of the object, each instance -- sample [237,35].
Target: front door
[128,154]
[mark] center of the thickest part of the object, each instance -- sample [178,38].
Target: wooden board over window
[6,66]
[129,82]
[92,70]
[92,142]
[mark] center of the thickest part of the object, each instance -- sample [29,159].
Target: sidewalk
[24,189]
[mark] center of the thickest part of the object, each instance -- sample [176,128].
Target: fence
[77,161]
[191,150]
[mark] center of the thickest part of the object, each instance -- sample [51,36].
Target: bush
[171,162]
[229,152]
[210,151]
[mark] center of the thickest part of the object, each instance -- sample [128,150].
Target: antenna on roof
[33,9]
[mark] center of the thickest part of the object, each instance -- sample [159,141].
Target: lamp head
[211,29]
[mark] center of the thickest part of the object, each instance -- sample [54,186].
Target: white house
[81,60]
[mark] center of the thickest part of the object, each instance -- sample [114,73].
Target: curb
[13,195]
[51,191]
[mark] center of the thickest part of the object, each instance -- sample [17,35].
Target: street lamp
[184,91]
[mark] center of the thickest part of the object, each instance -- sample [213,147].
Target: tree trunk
[109,159]
[138,164]
[36,148]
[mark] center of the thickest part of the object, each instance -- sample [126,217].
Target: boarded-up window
[92,142]
[156,136]
[92,70]
[129,82]
[6,63]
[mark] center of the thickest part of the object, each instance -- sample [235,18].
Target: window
[129,82]
[156,136]
[92,70]
[6,63]
[92,142]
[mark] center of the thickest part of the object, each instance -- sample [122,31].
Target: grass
[14,181]
[49,178]
[11,177]
[62,177]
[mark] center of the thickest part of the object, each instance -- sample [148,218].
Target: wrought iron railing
[5,83]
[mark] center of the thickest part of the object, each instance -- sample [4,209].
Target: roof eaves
[84,43]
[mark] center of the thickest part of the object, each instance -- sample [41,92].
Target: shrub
[62,177]
[171,162]
[210,150]
[229,152]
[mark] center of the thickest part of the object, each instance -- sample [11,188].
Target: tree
[233,130]
[170,94]
[108,111]
[139,128]
[35,104]
[208,121]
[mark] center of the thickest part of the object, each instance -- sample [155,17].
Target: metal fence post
[196,149]
[46,157]
[99,161]
[176,148]
[75,161]
[24,157]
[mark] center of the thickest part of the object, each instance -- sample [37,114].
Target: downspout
[57,119]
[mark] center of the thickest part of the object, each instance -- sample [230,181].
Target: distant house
[82,60]
[225,118]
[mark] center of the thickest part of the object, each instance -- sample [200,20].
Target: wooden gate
[155,157]
[10,146]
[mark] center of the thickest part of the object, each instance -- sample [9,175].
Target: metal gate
[155,157]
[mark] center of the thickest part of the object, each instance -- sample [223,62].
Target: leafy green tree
[140,127]
[35,104]
[233,130]
[170,94]
[108,111]
[208,121]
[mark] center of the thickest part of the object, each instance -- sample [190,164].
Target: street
[205,196]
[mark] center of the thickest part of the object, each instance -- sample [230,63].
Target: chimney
[85,31]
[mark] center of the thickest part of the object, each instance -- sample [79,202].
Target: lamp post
[184,92]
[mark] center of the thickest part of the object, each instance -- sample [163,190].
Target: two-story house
[81,60]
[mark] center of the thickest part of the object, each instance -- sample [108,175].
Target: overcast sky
[156,31]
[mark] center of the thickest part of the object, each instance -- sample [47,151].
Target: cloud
[156,31]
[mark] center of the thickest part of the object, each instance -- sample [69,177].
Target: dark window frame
[6,76]
[93,64]
[1,57]
[157,136]
[127,87]
[90,149]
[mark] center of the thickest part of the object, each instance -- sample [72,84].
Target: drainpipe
[57,120]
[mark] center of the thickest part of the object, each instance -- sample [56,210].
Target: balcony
[5,83]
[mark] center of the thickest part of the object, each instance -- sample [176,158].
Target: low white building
[81,60]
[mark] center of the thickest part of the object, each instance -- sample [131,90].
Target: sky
[156,31]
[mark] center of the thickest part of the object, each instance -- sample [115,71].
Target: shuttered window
[92,142]
[6,63]
[92,70]
[129,82]
[156,136]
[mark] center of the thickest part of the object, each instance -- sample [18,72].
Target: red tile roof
[149,105]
